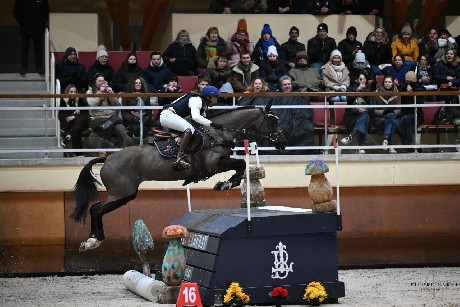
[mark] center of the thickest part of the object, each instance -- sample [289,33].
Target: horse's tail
[85,190]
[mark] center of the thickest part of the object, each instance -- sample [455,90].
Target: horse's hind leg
[97,211]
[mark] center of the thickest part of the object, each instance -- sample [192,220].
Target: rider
[173,116]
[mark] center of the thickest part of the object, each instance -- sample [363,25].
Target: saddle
[167,142]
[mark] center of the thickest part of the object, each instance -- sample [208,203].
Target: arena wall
[395,213]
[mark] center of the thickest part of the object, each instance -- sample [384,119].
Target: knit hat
[360,57]
[410,76]
[406,29]
[266,30]
[336,52]
[272,50]
[101,51]
[352,30]
[242,26]
[301,55]
[68,51]
[322,26]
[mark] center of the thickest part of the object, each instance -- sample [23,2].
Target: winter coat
[429,48]
[399,74]
[126,73]
[319,50]
[443,69]
[239,81]
[101,102]
[297,124]
[347,47]
[258,54]
[71,73]
[185,58]
[32,16]
[377,52]
[272,74]
[203,53]
[306,79]
[385,100]
[234,48]
[217,77]
[330,78]
[314,7]
[105,70]
[156,76]
[290,49]
[63,114]
[409,50]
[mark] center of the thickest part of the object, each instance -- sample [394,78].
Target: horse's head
[270,127]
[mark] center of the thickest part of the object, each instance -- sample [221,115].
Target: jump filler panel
[277,247]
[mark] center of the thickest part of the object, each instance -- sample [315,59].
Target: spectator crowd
[239,63]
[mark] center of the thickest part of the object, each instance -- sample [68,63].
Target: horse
[123,171]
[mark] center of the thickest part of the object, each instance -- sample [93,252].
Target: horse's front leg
[226,164]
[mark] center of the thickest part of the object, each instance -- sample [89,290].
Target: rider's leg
[185,139]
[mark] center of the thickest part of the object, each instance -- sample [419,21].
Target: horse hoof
[223,185]
[91,243]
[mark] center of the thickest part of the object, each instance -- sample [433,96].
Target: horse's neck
[240,119]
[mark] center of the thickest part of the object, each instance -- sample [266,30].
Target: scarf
[211,48]
[336,70]
[266,44]
[246,73]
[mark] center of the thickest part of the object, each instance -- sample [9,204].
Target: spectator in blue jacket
[266,40]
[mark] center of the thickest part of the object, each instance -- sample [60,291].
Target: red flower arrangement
[279,292]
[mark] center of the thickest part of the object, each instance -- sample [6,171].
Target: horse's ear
[268,106]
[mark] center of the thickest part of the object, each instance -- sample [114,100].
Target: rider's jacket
[190,104]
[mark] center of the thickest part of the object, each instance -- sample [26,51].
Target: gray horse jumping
[123,171]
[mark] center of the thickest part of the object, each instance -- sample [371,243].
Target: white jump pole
[336,148]
[248,185]
[254,149]
[188,199]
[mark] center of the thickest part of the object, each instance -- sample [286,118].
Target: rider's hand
[217,126]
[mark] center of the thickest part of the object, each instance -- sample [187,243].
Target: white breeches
[171,120]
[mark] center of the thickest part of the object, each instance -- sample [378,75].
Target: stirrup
[181,163]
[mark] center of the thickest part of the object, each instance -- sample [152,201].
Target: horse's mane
[217,113]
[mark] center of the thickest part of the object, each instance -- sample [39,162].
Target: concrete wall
[63,31]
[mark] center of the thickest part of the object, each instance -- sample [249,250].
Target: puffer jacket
[202,56]
[409,50]
[319,50]
[443,69]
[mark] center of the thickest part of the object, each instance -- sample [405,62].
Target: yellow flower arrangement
[235,295]
[315,293]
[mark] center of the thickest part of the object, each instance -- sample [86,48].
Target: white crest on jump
[281,267]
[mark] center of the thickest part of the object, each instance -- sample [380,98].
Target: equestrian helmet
[209,91]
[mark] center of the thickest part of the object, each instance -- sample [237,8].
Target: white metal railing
[47,60]
[55,108]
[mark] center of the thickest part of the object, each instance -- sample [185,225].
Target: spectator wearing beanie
[320,46]
[360,66]
[266,40]
[304,77]
[321,7]
[349,46]
[102,66]
[445,42]
[406,46]
[292,47]
[238,42]
[336,76]
[272,69]
[70,71]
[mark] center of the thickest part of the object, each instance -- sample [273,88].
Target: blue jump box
[279,246]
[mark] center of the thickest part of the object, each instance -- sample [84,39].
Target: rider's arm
[195,105]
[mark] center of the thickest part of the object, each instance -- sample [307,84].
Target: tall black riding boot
[185,139]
